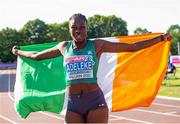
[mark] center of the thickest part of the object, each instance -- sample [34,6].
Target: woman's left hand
[167,37]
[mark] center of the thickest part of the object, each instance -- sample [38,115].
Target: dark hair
[78,15]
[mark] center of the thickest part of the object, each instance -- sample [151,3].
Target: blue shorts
[82,104]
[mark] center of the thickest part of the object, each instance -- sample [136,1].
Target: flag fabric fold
[127,79]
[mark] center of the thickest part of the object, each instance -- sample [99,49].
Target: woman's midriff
[82,88]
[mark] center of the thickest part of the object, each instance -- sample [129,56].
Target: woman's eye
[73,27]
[82,27]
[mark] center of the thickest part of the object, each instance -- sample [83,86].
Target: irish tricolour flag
[127,79]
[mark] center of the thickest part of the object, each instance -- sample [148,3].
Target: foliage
[101,26]
[139,30]
[59,32]
[8,38]
[174,31]
[35,31]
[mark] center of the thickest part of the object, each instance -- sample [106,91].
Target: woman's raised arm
[45,54]
[106,46]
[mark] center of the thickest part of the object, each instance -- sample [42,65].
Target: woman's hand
[166,37]
[15,50]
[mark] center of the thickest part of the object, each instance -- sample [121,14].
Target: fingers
[15,49]
[167,37]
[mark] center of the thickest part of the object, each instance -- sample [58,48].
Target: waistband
[82,88]
[96,92]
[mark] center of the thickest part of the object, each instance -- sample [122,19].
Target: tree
[101,26]
[8,38]
[59,32]
[139,30]
[174,31]
[36,31]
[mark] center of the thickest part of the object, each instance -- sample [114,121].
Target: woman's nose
[77,32]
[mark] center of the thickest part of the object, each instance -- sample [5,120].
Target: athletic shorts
[83,103]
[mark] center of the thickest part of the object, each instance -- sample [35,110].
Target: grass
[171,85]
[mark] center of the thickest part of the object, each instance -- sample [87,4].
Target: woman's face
[78,29]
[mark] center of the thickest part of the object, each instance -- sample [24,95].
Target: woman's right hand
[15,50]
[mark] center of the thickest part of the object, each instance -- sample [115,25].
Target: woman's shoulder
[63,44]
[99,42]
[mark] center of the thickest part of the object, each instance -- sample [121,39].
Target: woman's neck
[79,45]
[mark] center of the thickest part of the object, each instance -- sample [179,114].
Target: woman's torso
[83,86]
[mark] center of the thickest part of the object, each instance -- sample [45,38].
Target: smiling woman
[86,102]
[78,28]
